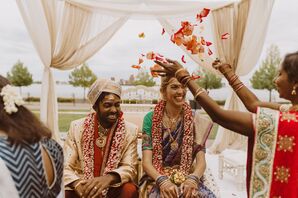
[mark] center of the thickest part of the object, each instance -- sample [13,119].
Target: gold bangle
[240,87]
[79,183]
[179,70]
[199,92]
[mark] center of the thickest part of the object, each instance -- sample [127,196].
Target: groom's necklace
[102,136]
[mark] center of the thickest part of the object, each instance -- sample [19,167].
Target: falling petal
[210,52]
[142,35]
[163,31]
[141,61]
[182,59]
[194,76]
[136,66]
[225,36]
[208,43]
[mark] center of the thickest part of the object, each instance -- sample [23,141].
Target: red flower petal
[208,43]
[163,31]
[203,13]
[210,52]
[182,59]
[225,36]
[194,76]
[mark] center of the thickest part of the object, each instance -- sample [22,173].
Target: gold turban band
[103,85]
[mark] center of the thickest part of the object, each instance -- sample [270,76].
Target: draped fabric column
[247,24]
[64,35]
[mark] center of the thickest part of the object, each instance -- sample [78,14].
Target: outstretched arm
[239,122]
[248,98]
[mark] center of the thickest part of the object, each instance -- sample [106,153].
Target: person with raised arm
[272,134]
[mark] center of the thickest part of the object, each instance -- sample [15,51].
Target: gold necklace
[169,124]
[102,136]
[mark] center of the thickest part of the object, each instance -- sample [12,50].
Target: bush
[66,100]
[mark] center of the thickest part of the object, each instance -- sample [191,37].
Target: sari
[272,162]
[172,156]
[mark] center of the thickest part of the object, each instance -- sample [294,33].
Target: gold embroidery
[264,170]
[257,184]
[282,174]
[288,116]
[260,154]
[267,139]
[286,143]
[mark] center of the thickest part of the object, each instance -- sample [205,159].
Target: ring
[95,188]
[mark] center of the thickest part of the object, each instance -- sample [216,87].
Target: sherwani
[73,152]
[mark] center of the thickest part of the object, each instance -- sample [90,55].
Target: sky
[123,50]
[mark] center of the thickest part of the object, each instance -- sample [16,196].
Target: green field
[66,118]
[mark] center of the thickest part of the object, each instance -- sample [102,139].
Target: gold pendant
[174,145]
[101,141]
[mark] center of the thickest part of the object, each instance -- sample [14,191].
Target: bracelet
[198,92]
[179,70]
[233,79]
[161,179]
[240,86]
[185,80]
[194,178]
[79,183]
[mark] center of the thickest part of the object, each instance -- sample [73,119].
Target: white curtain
[67,33]
[247,23]
[64,36]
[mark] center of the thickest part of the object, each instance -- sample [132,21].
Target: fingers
[164,65]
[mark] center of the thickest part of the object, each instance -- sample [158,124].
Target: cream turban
[103,85]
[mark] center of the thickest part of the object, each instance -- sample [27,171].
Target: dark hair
[21,125]
[290,65]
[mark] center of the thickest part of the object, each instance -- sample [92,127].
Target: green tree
[209,80]
[82,77]
[263,78]
[144,78]
[19,75]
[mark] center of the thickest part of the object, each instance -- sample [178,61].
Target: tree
[209,80]
[144,78]
[19,75]
[263,78]
[82,77]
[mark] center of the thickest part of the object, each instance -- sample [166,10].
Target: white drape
[67,33]
[63,40]
[247,23]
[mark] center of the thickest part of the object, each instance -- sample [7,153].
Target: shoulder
[148,117]
[131,129]
[78,122]
[53,147]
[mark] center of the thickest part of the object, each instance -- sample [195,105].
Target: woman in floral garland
[174,148]
[272,131]
[31,163]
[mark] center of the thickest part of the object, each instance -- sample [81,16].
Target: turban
[103,85]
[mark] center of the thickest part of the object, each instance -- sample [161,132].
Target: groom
[101,149]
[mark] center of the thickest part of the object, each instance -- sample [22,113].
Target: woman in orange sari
[272,131]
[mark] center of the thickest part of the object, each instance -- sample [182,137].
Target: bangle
[240,86]
[179,70]
[233,79]
[185,80]
[194,178]
[198,92]
[161,179]
[79,183]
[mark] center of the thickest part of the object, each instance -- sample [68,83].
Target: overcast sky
[123,49]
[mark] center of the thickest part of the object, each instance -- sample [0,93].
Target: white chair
[233,162]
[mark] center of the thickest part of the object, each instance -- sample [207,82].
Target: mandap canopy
[66,33]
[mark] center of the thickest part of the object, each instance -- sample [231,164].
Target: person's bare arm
[249,99]
[240,122]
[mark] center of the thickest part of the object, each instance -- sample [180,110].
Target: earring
[294,93]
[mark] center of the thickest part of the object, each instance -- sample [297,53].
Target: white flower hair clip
[11,98]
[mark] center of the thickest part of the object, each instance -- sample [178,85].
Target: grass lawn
[66,118]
